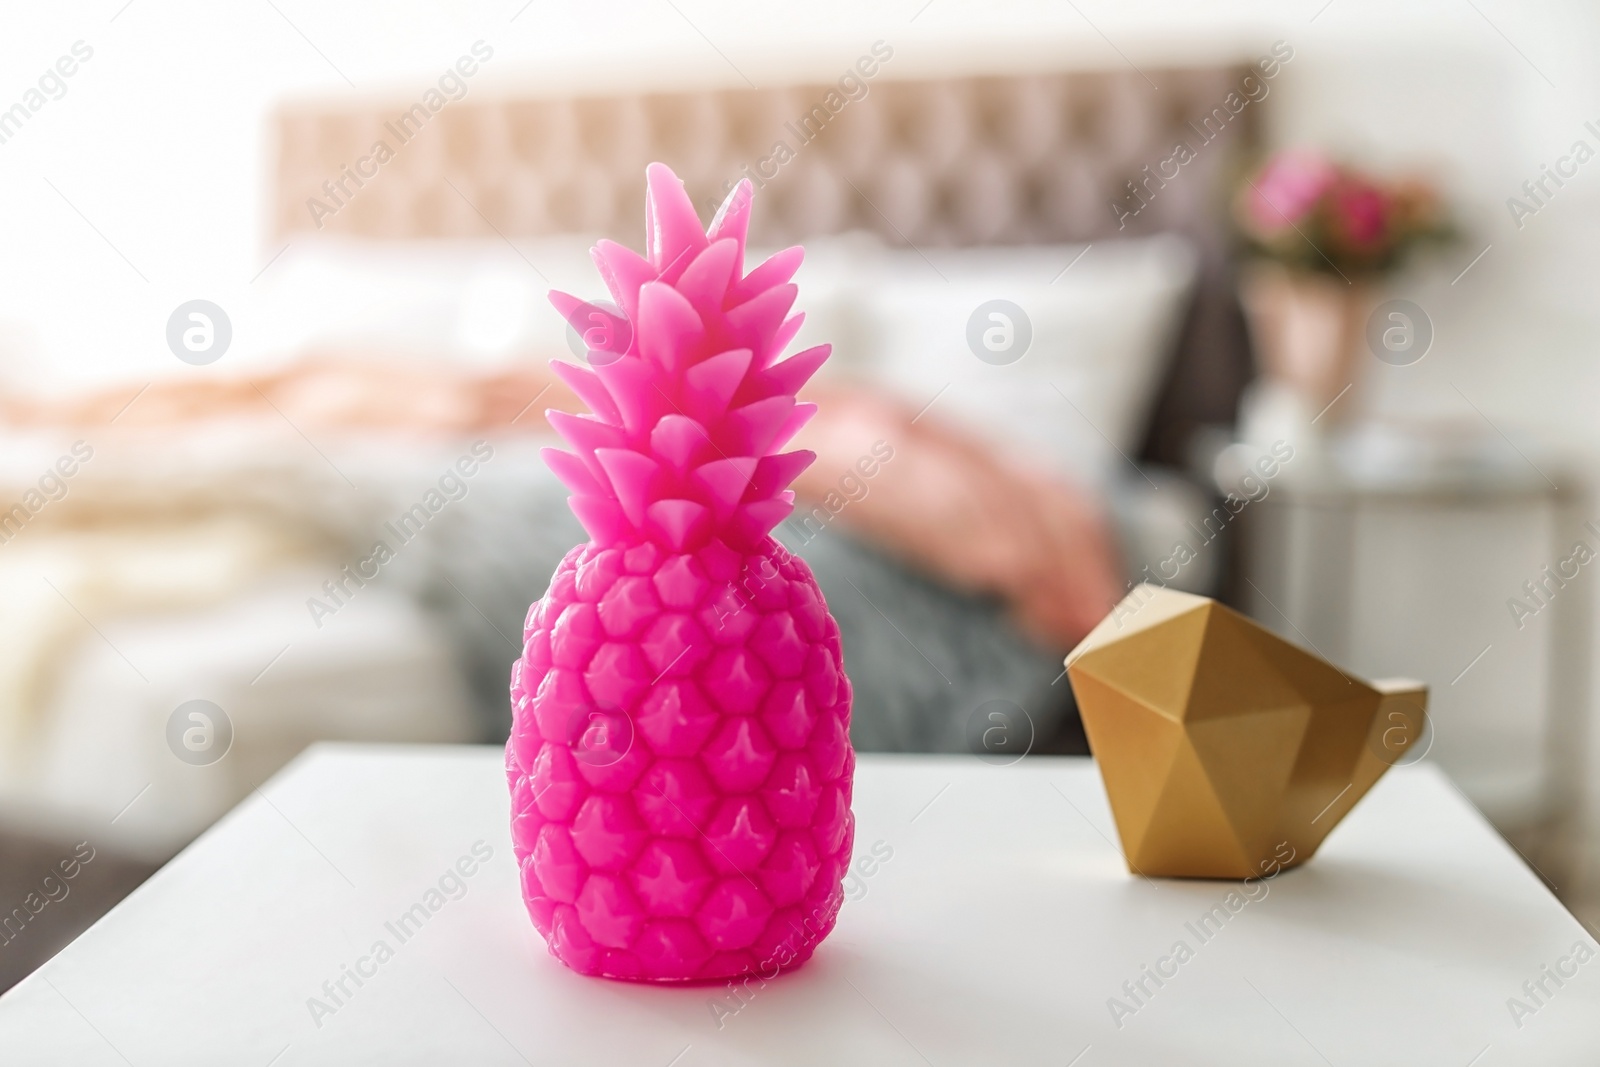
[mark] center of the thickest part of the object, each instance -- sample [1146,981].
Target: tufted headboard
[961,161]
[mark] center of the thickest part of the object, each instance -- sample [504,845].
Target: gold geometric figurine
[1226,751]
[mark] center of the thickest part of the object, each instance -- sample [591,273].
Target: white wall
[161,143]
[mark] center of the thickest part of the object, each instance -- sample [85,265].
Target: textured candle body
[679,759]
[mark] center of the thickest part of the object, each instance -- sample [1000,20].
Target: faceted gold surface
[1222,746]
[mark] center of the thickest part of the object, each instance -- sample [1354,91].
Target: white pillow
[1103,319]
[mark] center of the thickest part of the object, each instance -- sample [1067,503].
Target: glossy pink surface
[680,763]
[679,760]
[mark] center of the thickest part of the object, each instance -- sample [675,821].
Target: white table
[996,933]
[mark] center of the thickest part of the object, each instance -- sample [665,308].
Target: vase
[1308,332]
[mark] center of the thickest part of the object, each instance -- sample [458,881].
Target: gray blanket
[932,669]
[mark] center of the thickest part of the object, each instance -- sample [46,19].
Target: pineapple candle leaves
[682,443]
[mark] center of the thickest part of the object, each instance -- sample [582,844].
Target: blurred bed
[917,201]
[394,334]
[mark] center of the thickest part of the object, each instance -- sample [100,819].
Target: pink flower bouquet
[1310,213]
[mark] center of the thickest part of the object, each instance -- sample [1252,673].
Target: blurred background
[1288,304]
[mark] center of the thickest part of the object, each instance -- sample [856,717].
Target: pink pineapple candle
[680,757]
